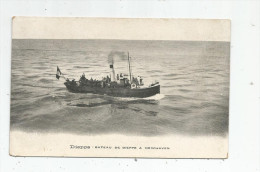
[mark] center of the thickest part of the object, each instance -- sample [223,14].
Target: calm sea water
[194,78]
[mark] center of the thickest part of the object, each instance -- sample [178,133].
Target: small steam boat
[120,85]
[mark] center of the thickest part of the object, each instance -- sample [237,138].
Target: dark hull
[116,92]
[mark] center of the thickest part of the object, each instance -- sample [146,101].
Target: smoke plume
[116,55]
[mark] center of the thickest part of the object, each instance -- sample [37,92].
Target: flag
[57,76]
[58,73]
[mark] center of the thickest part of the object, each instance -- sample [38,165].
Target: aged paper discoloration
[121,28]
[186,59]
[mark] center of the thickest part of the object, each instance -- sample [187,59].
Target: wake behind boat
[120,85]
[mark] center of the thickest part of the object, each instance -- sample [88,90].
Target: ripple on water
[193,98]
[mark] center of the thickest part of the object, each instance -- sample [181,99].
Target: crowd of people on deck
[106,82]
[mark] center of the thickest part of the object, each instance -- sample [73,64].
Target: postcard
[120,87]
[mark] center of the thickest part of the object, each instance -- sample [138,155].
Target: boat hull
[115,92]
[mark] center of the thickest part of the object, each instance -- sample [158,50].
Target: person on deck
[73,82]
[138,80]
[108,79]
[141,81]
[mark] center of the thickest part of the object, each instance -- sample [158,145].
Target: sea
[194,79]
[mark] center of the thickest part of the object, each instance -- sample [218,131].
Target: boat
[120,85]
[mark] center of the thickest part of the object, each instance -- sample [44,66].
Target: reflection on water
[194,78]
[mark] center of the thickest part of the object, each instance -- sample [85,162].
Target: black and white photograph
[77,92]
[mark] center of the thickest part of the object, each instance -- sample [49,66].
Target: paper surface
[187,119]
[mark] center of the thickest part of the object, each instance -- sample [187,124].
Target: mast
[129,67]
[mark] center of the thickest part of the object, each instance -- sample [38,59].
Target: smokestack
[113,76]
